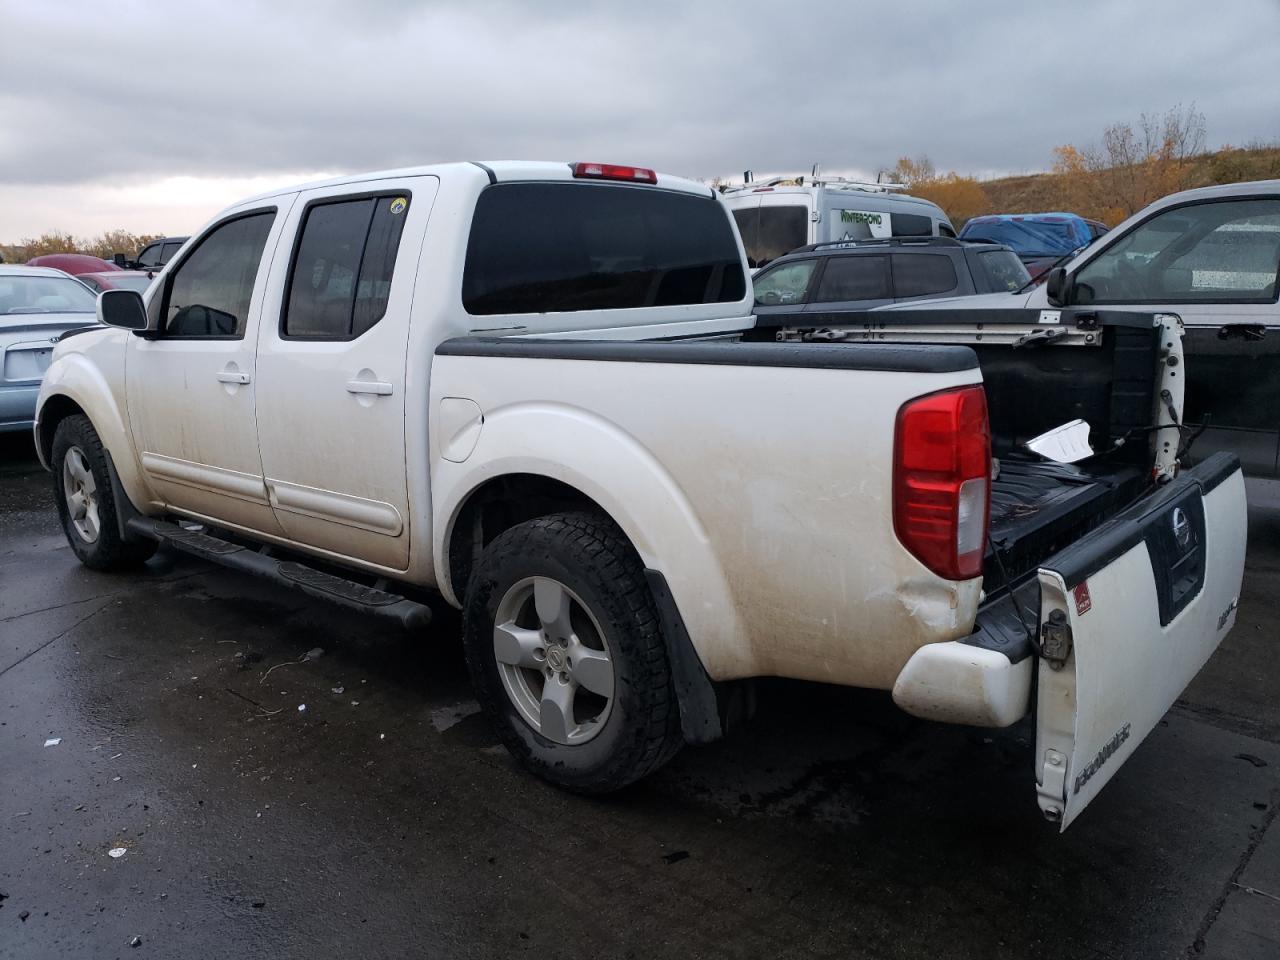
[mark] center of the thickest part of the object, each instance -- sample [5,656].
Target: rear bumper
[957,682]
[18,407]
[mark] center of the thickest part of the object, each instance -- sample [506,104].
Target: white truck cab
[529,390]
[777,215]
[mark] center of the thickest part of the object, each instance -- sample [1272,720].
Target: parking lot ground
[385,820]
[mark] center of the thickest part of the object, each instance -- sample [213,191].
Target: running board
[290,573]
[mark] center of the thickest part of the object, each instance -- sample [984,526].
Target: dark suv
[863,274]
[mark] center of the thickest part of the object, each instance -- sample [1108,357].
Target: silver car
[37,305]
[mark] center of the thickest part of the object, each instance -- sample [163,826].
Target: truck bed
[1039,507]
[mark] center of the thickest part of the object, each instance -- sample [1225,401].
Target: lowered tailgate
[1128,616]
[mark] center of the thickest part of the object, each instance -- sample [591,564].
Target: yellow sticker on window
[398,205]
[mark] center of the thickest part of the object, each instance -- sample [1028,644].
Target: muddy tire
[565,649]
[86,505]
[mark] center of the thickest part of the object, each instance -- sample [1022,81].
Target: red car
[73,263]
[116,280]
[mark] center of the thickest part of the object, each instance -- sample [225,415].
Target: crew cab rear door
[1128,616]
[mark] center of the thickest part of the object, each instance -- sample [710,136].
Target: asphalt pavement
[194,763]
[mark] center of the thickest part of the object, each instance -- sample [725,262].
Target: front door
[191,388]
[332,369]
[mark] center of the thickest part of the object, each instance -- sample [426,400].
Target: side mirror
[122,308]
[1055,286]
[119,260]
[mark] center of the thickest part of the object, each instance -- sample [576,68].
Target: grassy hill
[1040,192]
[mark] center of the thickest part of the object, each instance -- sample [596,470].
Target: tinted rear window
[922,274]
[854,278]
[770,232]
[910,225]
[550,247]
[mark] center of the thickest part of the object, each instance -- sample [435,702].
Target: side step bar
[409,613]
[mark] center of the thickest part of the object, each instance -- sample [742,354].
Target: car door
[1215,264]
[332,369]
[849,282]
[190,386]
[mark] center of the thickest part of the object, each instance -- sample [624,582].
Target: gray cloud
[130,92]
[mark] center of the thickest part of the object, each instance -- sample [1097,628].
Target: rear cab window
[554,247]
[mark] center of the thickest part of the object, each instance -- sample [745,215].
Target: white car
[525,387]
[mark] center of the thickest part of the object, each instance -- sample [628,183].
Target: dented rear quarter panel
[763,494]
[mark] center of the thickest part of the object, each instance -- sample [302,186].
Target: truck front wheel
[86,505]
[566,653]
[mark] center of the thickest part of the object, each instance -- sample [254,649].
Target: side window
[150,256]
[167,251]
[785,284]
[911,225]
[208,295]
[340,278]
[946,230]
[922,274]
[1218,252]
[854,278]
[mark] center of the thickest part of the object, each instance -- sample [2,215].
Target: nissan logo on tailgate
[1181,527]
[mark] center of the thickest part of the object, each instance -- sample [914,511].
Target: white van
[775,216]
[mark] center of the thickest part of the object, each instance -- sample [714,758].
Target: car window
[784,284]
[946,230]
[771,232]
[854,278]
[1218,252]
[21,294]
[551,247]
[208,295]
[150,256]
[910,225]
[1000,271]
[90,282]
[922,274]
[341,274]
[168,250]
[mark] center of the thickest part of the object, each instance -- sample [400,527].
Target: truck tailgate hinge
[1055,639]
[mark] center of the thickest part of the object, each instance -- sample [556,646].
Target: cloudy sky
[150,116]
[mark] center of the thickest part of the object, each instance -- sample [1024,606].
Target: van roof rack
[814,180]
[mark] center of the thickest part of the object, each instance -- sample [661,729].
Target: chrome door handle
[232,376]
[379,388]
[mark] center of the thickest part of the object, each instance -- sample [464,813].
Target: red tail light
[942,481]
[612,171]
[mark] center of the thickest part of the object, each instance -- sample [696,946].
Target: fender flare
[81,381]
[605,463]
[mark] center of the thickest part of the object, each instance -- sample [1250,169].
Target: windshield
[769,232]
[1029,238]
[1004,271]
[25,294]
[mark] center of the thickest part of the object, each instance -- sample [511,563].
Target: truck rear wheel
[566,653]
[86,504]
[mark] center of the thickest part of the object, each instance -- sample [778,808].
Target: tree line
[1132,165]
[104,245]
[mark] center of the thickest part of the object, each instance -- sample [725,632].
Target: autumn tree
[1131,166]
[961,197]
[105,245]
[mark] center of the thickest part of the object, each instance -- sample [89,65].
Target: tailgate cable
[996,549]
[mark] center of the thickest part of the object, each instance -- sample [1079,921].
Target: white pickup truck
[529,388]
